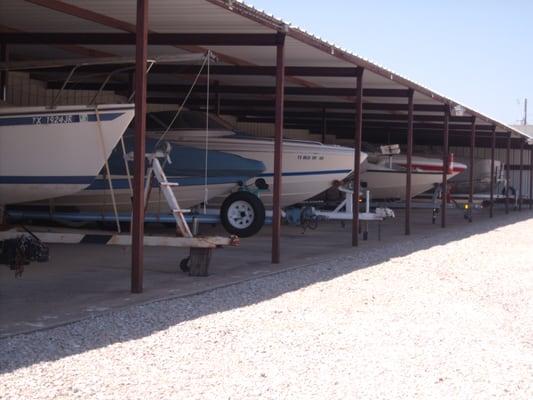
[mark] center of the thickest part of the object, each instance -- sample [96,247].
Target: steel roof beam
[312,115]
[84,13]
[170,39]
[292,90]
[245,70]
[332,123]
[227,104]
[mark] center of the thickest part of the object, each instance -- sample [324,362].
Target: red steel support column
[278,150]
[520,175]
[324,125]
[471,166]
[216,89]
[357,156]
[137,229]
[410,111]
[4,57]
[531,178]
[507,172]
[445,167]
[492,150]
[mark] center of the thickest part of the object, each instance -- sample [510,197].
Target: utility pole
[525,112]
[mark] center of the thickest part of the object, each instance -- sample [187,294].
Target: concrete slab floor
[81,281]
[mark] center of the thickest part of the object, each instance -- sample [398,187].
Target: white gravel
[452,321]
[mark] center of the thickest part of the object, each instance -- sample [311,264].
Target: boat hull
[428,164]
[308,168]
[97,197]
[387,180]
[185,166]
[482,173]
[390,184]
[46,153]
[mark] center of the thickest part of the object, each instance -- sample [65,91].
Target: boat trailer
[308,217]
[14,240]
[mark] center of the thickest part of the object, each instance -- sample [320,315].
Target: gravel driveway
[452,321]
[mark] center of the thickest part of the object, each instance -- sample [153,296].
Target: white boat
[429,164]
[308,167]
[52,152]
[481,178]
[386,177]
[184,168]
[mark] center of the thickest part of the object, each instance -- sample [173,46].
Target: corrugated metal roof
[221,16]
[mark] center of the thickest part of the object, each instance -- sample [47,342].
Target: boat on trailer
[385,173]
[193,181]
[51,152]
[308,167]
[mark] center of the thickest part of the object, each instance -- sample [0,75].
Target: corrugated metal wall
[23,91]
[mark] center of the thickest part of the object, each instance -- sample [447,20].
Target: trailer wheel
[242,214]
[184,264]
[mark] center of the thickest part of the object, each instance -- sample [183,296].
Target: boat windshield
[186,120]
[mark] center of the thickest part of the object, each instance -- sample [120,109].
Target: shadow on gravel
[139,321]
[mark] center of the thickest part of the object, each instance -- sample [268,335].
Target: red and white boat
[385,174]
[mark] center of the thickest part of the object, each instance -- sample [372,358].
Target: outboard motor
[20,251]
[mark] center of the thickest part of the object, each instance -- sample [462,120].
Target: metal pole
[324,125]
[520,175]
[445,166]
[137,229]
[357,157]
[278,150]
[216,87]
[410,111]
[492,150]
[507,172]
[471,172]
[531,178]
[131,84]
[4,57]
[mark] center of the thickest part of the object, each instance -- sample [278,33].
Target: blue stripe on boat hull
[334,171]
[123,183]
[46,180]
[69,118]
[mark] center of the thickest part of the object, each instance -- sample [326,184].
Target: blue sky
[473,51]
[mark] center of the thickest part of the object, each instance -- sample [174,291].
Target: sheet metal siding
[177,16]
[29,17]
[23,91]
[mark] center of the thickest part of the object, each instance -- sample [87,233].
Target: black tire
[184,264]
[251,210]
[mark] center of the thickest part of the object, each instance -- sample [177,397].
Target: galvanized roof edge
[248,11]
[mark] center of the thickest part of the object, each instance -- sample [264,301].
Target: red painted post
[471,166]
[324,125]
[216,89]
[4,57]
[531,178]
[137,229]
[410,111]
[492,151]
[507,172]
[278,147]
[520,175]
[445,166]
[357,156]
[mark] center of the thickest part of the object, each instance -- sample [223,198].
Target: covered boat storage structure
[270,78]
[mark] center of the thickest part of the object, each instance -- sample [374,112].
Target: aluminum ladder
[156,170]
